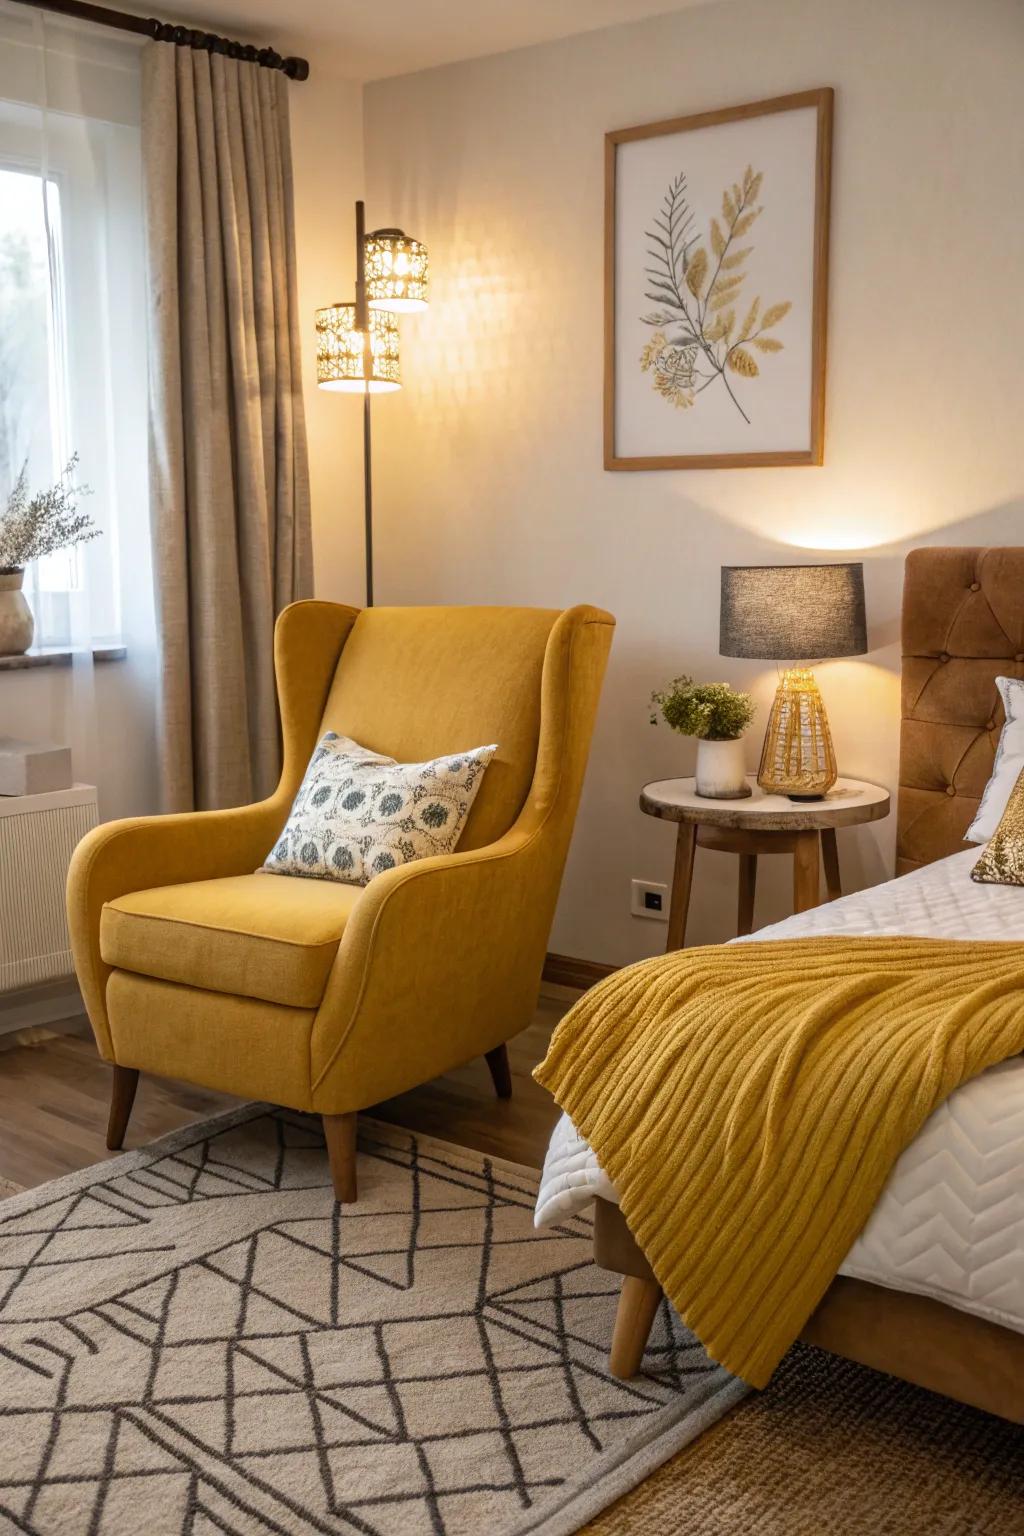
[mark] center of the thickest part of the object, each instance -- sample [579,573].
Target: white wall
[488,464]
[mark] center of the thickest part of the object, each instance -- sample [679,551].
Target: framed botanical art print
[716,284]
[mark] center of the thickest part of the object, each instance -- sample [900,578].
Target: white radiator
[38,834]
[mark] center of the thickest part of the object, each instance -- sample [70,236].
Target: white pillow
[358,814]
[1007,767]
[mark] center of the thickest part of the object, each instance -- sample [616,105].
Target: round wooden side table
[761,824]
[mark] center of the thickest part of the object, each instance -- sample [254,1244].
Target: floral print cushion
[358,814]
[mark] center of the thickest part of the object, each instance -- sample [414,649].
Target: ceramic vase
[16,623]
[721,770]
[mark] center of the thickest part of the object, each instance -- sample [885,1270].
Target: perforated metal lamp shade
[339,351]
[793,612]
[396,271]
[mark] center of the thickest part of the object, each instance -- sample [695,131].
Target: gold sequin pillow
[1002,859]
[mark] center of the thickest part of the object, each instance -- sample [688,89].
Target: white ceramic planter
[721,770]
[16,623]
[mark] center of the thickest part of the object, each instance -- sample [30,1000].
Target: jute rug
[832,1449]
[194,1339]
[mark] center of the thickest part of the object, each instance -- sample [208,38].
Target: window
[72,320]
[33,371]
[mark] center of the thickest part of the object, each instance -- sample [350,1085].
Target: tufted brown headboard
[963,626]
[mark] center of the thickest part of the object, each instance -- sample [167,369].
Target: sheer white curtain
[73,370]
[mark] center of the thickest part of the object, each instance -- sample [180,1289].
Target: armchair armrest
[145,851]
[440,962]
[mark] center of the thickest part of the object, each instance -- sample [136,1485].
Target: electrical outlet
[649,899]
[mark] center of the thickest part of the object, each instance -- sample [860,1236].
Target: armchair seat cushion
[249,935]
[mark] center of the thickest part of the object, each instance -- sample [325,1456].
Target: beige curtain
[229,486]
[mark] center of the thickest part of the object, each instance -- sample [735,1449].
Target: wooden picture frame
[677,371]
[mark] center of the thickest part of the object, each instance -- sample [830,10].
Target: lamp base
[797,758]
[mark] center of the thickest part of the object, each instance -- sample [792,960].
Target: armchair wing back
[325,997]
[417,683]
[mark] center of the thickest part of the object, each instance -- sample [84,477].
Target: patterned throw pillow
[1002,859]
[357,814]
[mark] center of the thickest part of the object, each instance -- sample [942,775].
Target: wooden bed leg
[340,1136]
[501,1072]
[639,1301]
[122,1097]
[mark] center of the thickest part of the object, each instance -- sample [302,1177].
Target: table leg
[830,857]
[682,878]
[748,884]
[806,872]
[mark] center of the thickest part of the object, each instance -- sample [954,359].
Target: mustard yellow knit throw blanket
[749,1101]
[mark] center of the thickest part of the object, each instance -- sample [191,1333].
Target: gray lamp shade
[793,612]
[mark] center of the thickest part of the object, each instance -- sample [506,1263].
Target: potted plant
[31,527]
[717,716]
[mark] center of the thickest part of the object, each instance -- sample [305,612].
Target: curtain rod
[170,32]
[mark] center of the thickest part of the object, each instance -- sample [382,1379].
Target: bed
[933,1288]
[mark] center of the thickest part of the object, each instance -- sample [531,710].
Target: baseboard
[566,971]
[37,1007]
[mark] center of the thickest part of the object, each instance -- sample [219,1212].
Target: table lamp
[795,613]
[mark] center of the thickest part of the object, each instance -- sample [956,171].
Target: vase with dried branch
[32,526]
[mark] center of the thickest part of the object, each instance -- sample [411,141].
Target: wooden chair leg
[501,1072]
[122,1097]
[340,1136]
[639,1301]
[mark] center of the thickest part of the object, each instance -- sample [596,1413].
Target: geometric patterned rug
[195,1339]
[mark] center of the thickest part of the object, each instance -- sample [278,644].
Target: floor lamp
[357,344]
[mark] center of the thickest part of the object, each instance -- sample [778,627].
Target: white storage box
[33,767]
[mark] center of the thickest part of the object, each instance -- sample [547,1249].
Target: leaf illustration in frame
[709,251]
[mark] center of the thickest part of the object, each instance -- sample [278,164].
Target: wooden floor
[54,1093]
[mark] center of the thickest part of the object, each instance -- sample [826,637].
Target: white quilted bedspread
[950,1221]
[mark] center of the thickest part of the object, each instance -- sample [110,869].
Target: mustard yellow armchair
[327,997]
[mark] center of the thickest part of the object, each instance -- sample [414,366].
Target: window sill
[59,656]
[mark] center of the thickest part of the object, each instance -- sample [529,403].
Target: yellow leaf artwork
[698,285]
[696,273]
[773,315]
[742,362]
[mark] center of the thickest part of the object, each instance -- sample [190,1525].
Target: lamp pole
[363,326]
